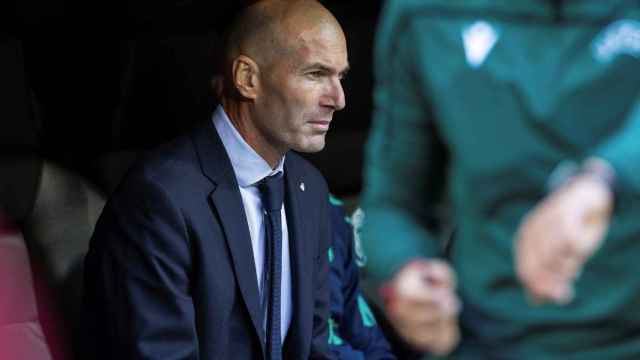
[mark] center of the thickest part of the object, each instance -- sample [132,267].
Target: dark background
[89,84]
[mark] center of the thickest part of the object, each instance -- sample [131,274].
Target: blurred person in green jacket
[525,116]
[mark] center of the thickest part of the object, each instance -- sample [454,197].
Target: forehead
[324,44]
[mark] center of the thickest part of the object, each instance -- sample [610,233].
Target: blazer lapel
[300,262]
[228,205]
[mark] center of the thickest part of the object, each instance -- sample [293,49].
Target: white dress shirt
[250,168]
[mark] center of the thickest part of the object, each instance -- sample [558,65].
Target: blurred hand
[558,236]
[421,304]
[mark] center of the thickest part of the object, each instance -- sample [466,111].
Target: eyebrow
[325,68]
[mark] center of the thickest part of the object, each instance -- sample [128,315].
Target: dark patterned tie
[272,195]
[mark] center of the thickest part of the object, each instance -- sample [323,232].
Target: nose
[341,102]
[335,95]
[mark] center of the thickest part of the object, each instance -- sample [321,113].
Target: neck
[241,115]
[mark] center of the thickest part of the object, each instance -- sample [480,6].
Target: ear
[245,76]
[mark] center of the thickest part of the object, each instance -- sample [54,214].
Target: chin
[309,147]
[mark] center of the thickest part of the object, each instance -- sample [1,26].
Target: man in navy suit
[177,266]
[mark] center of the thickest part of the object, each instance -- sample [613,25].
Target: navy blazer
[170,271]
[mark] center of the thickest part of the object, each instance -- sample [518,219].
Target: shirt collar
[248,166]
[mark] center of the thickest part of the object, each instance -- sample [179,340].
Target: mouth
[320,124]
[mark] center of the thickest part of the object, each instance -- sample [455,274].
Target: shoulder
[168,160]
[340,226]
[338,213]
[171,168]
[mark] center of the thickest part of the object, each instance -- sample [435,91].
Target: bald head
[270,29]
[285,61]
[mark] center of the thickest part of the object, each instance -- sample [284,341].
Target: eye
[315,74]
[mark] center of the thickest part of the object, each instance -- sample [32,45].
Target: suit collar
[248,166]
[213,158]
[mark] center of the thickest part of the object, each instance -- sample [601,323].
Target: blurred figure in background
[526,116]
[353,331]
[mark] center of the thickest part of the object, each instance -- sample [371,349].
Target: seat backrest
[21,334]
[56,210]
[57,232]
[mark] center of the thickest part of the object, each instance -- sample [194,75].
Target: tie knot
[272,192]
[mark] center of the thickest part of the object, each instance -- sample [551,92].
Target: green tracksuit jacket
[482,100]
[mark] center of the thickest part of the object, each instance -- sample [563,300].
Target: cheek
[307,98]
[299,102]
